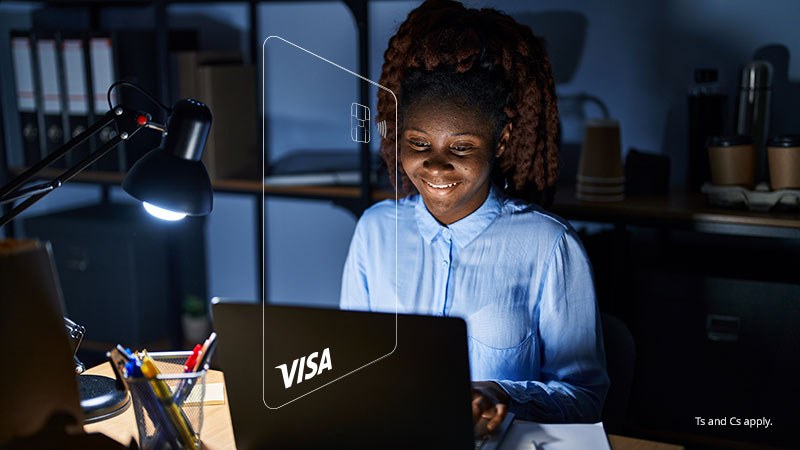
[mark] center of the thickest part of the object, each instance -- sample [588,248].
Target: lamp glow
[163,214]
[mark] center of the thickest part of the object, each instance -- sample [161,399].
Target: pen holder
[174,421]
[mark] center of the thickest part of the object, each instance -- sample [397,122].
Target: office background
[638,57]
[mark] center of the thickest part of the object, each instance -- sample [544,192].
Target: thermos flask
[754,109]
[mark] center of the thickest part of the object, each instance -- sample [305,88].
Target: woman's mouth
[442,185]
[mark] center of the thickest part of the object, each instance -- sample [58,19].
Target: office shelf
[355,199]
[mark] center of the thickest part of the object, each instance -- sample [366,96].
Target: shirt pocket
[500,343]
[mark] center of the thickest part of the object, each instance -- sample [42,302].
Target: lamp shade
[172,177]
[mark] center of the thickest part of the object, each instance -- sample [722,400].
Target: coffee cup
[783,153]
[601,155]
[732,160]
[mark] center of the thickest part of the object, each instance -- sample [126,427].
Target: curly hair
[444,39]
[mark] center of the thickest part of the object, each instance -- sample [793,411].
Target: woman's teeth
[441,186]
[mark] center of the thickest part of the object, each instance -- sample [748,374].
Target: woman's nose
[437,162]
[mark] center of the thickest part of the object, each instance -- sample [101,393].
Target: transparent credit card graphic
[316,124]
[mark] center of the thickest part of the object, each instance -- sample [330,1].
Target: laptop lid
[38,375]
[418,396]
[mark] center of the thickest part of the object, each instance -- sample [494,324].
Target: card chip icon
[359,123]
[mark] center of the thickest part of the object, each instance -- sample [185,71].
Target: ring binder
[22,52]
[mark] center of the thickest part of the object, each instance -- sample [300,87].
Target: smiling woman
[448,152]
[477,132]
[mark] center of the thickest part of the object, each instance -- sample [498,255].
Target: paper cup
[732,160]
[784,162]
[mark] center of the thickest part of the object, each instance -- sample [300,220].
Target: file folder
[22,55]
[101,55]
[73,53]
[51,96]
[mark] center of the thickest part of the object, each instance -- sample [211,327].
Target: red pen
[188,366]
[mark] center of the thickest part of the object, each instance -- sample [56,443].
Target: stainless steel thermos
[752,119]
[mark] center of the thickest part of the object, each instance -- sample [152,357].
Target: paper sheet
[570,436]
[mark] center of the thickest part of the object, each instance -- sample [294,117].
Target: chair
[620,359]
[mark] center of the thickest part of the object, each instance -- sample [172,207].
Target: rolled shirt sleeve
[573,380]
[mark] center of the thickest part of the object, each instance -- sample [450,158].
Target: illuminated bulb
[163,214]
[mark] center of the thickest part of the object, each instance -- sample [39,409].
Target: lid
[705,75]
[757,75]
[787,140]
[729,141]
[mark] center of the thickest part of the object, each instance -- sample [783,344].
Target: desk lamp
[170,181]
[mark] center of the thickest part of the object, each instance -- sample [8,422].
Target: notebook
[303,378]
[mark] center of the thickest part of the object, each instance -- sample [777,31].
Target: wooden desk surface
[217,431]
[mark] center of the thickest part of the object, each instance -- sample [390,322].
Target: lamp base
[100,398]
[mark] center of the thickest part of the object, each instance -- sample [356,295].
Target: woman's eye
[419,144]
[460,148]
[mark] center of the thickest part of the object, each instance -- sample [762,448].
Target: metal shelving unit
[353,198]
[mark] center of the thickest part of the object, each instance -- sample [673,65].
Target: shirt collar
[465,230]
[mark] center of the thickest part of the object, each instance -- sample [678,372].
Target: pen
[162,391]
[185,387]
[192,359]
[130,366]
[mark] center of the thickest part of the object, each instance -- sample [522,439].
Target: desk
[217,432]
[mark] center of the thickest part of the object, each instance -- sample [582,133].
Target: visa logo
[298,365]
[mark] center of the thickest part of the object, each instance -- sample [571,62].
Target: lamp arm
[22,178]
[27,192]
[127,126]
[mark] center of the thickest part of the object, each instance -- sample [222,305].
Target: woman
[477,153]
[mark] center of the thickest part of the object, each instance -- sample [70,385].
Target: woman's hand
[490,403]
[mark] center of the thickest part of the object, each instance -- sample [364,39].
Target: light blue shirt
[520,278]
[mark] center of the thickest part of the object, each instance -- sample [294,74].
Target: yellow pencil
[162,391]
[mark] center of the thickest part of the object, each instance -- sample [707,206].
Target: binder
[22,55]
[74,63]
[101,57]
[52,111]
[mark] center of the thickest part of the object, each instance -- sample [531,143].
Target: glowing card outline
[263,197]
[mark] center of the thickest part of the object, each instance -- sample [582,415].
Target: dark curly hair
[448,50]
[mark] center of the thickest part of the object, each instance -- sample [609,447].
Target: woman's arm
[573,381]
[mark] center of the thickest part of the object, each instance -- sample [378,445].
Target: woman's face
[447,152]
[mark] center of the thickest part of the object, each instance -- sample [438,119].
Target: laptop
[328,379]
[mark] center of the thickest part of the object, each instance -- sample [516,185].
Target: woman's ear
[503,141]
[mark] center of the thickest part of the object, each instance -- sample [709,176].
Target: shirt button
[444,263]
[446,233]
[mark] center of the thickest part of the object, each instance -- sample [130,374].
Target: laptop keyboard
[480,442]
